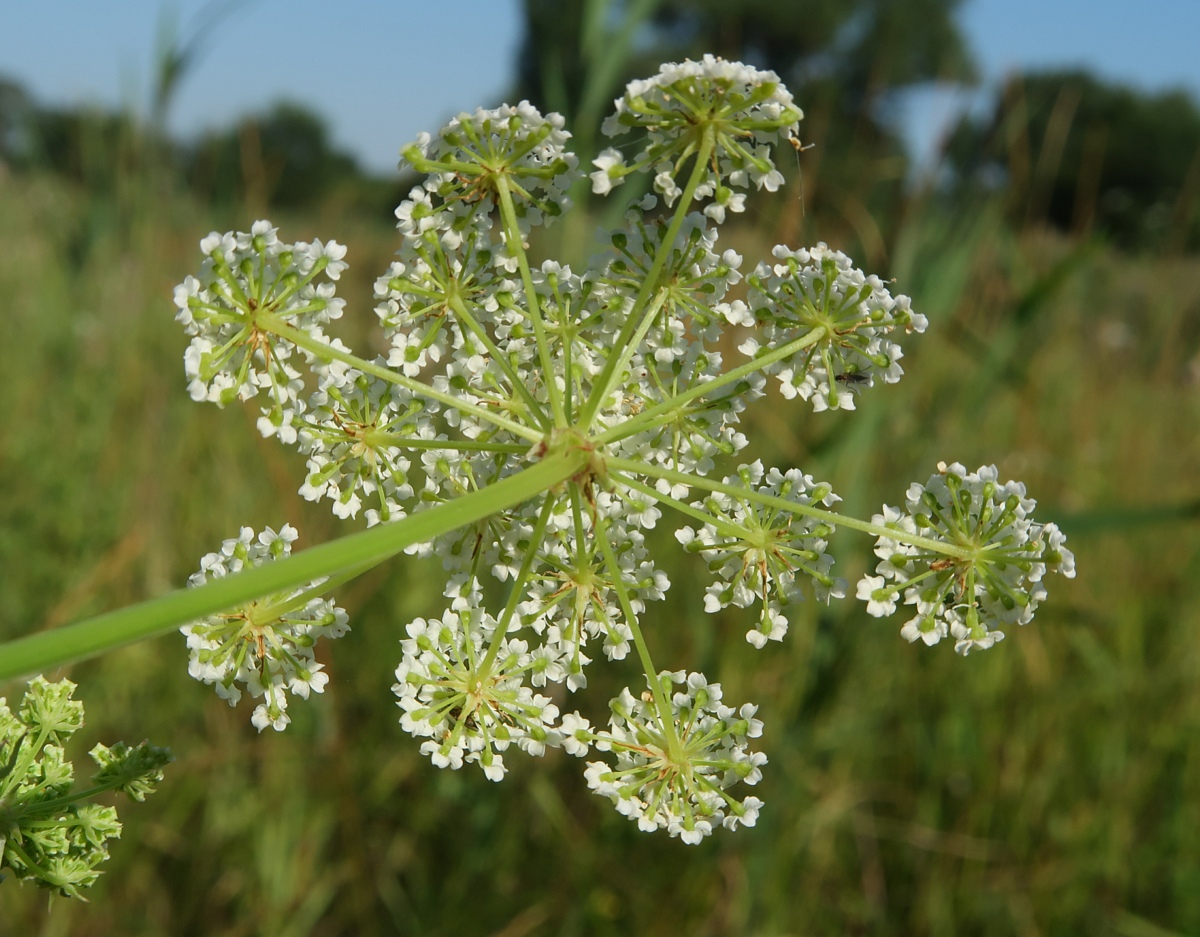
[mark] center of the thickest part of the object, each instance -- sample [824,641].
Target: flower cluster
[756,548]
[460,686]
[673,769]
[266,645]
[495,367]
[47,832]
[347,435]
[992,575]
[842,319]
[729,112]
[479,160]
[249,279]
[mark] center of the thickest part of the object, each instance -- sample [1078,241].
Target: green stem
[602,387]
[43,807]
[725,527]
[512,234]
[649,418]
[302,339]
[667,720]
[288,605]
[39,652]
[792,507]
[519,584]
[401,441]
[477,329]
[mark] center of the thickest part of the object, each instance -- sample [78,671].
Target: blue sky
[381,71]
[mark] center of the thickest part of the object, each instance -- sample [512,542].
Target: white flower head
[849,318]
[493,364]
[460,687]
[251,281]
[508,152]
[757,551]
[994,576]
[672,771]
[265,645]
[742,112]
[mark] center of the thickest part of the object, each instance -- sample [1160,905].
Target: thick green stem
[603,386]
[782,504]
[39,652]
[302,339]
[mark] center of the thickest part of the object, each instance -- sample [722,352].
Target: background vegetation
[1051,785]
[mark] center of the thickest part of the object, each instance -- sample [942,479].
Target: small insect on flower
[853,378]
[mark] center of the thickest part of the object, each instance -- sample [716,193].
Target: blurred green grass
[1051,785]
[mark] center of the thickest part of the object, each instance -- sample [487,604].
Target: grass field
[1048,786]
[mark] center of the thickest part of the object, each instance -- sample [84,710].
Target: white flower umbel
[349,434]
[818,292]
[674,774]
[265,645]
[756,551]
[730,113]
[695,278]
[250,279]
[477,155]
[610,385]
[463,691]
[993,577]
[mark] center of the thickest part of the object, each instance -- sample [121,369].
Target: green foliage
[1081,153]
[47,832]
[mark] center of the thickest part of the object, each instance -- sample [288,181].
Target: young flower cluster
[495,366]
[266,645]
[48,832]
[673,769]
[480,159]
[994,575]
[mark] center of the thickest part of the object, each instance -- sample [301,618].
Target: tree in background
[15,108]
[281,158]
[85,143]
[1079,154]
